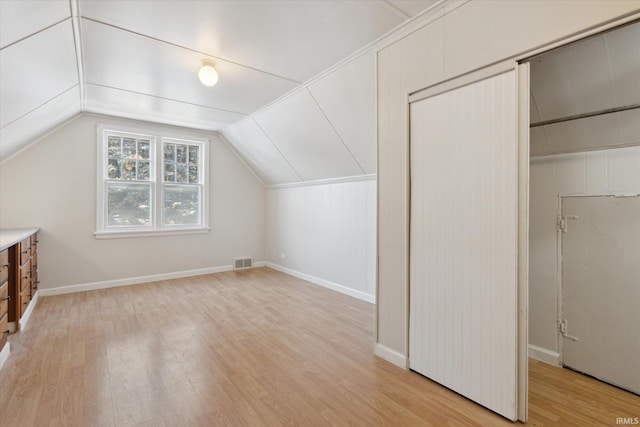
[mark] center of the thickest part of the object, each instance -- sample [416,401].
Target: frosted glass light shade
[208,75]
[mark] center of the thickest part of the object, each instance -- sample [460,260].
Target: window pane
[143,171]
[128,204]
[113,147]
[181,153]
[181,173]
[113,169]
[129,147]
[169,152]
[193,154]
[129,170]
[143,149]
[181,204]
[193,174]
[169,172]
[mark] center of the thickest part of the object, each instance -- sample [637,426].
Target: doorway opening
[584,182]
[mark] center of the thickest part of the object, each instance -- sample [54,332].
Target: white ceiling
[139,59]
[281,102]
[596,74]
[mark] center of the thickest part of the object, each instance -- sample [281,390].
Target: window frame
[156,157]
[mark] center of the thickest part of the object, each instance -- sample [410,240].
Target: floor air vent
[242,263]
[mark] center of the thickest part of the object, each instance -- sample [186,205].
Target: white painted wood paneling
[36,70]
[325,231]
[623,48]
[31,126]
[41,14]
[347,98]
[543,256]
[118,102]
[143,65]
[296,40]
[303,135]
[259,152]
[624,170]
[463,265]
[570,172]
[591,173]
[573,80]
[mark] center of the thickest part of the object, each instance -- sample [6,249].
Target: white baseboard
[27,314]
[391,355]
[4,354]
[135,280]
[324,283]
[544,355]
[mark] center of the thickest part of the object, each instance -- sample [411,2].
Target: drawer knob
[7,332]
[26,302]
[6,265]
[7,298]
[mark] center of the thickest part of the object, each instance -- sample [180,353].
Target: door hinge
[562,221]
[562,330]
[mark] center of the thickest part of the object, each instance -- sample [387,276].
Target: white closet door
[463,263]
[601,288]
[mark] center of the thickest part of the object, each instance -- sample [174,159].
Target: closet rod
[585,115]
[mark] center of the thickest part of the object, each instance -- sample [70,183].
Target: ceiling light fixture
[208,75]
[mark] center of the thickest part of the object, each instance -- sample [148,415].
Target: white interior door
[464,233]
[601,288]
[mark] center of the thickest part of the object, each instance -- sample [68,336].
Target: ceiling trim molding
[357,178]
[77,40]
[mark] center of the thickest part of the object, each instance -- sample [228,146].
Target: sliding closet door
[463,265]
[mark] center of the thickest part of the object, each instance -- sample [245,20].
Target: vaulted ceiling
[296,95]
[139,59]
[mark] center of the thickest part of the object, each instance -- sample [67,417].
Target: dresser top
[11,236]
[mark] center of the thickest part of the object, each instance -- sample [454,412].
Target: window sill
[151,233]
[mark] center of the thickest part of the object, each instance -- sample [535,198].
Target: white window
[150,184]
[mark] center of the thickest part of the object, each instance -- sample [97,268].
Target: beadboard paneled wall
[325,234]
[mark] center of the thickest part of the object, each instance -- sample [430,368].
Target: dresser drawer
[25,276]
[4,329]
[34,243]
[25,250]
[4,265]
[25,299]
[4,301]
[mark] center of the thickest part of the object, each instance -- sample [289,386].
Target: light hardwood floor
[253,348]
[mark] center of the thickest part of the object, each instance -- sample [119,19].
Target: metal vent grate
[242,263]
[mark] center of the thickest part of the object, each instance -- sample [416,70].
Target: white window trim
[157,228]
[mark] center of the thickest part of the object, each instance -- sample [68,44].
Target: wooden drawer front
[25,275]
[4,329]
[34,243]
[25,250]
[4,301]
[25,299]
[4,265]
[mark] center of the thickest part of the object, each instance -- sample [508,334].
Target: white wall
[52,185]
[615,171]
[326,234]
[456,39]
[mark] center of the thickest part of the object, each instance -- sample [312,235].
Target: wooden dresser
[18,281]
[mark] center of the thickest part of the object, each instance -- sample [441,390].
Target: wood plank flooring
[252,348]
